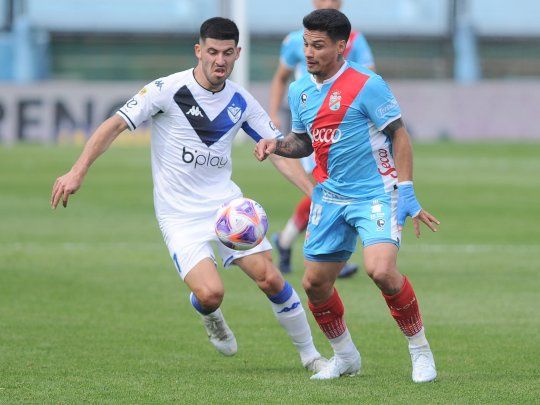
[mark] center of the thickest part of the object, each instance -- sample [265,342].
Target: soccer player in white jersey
[350,118]
[195,115]
[291,61]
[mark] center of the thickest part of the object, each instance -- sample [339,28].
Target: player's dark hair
[219,28]
[333,22]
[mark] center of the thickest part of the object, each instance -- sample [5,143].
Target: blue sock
[197,305]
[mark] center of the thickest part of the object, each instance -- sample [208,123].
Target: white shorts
[190,241]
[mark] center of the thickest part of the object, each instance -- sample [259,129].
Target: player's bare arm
[277,91]
[403,158]
[98,143]
[292,146]
[293,171]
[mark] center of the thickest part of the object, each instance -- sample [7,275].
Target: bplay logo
[203,159]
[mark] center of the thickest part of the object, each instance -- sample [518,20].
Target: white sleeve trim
[127,119]
[389,121]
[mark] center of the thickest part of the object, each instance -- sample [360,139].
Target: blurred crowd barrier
[68,112]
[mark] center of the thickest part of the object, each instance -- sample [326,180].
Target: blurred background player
[350,118]
[292,60]
[195,115]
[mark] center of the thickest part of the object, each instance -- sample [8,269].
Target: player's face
[216,61]
[335,4]
[323,56]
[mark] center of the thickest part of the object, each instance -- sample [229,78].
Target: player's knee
[385,276]
[210,298]
[315,287]
[272,282]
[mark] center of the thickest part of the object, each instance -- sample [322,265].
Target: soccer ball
[241,224]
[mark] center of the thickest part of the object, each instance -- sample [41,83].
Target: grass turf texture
[91,308]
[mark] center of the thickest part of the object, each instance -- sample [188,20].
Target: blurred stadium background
[462,69]
[91,308]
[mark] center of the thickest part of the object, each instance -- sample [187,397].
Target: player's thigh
[230,256]
[203,279]
[380,257]
[260,268]
[329,238]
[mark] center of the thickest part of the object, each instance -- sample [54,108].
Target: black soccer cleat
[284,255]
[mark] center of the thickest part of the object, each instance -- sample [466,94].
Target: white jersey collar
[331,79]
[204,88]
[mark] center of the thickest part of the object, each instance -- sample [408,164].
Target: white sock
[343,345]
[418,340]
[292,317]
[288,235]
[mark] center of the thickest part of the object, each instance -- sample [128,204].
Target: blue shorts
[335,222]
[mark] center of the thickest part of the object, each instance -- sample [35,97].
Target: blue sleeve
[289,51]
[297,125]
[361,52]
[378,102]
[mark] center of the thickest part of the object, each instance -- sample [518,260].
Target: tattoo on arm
[294,146]
[391,128]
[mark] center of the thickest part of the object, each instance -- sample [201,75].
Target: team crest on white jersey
[195,111]
[335,101]
[234,113]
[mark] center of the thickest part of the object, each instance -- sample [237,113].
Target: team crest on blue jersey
[303,99]
[234,113]
[335,101]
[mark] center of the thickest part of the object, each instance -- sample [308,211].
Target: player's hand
[408,206]
[64,186]
[264,148]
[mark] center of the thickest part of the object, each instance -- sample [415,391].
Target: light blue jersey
[345,117]
[292,52]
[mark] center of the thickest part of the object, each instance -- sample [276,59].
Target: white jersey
[192,134]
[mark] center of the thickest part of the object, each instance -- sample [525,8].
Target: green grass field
[91,308]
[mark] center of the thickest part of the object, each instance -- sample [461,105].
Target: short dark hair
[336,24]
[219,28]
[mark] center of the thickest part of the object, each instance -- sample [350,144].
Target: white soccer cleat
[423,364]
[219,333]
[338,366]
[317,364]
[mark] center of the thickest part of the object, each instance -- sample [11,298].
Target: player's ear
[198,50]
[342,44]
[238,49]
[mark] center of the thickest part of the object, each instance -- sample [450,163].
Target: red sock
[404,308]
[329,316]
[301,214]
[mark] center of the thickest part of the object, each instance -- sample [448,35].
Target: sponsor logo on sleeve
[131,103]
[383,109]
[159,84]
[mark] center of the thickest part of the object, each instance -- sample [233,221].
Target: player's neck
[331,73]
[201,80]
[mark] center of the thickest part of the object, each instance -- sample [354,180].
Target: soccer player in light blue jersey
[195,115]
[292,60]
[350,118]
